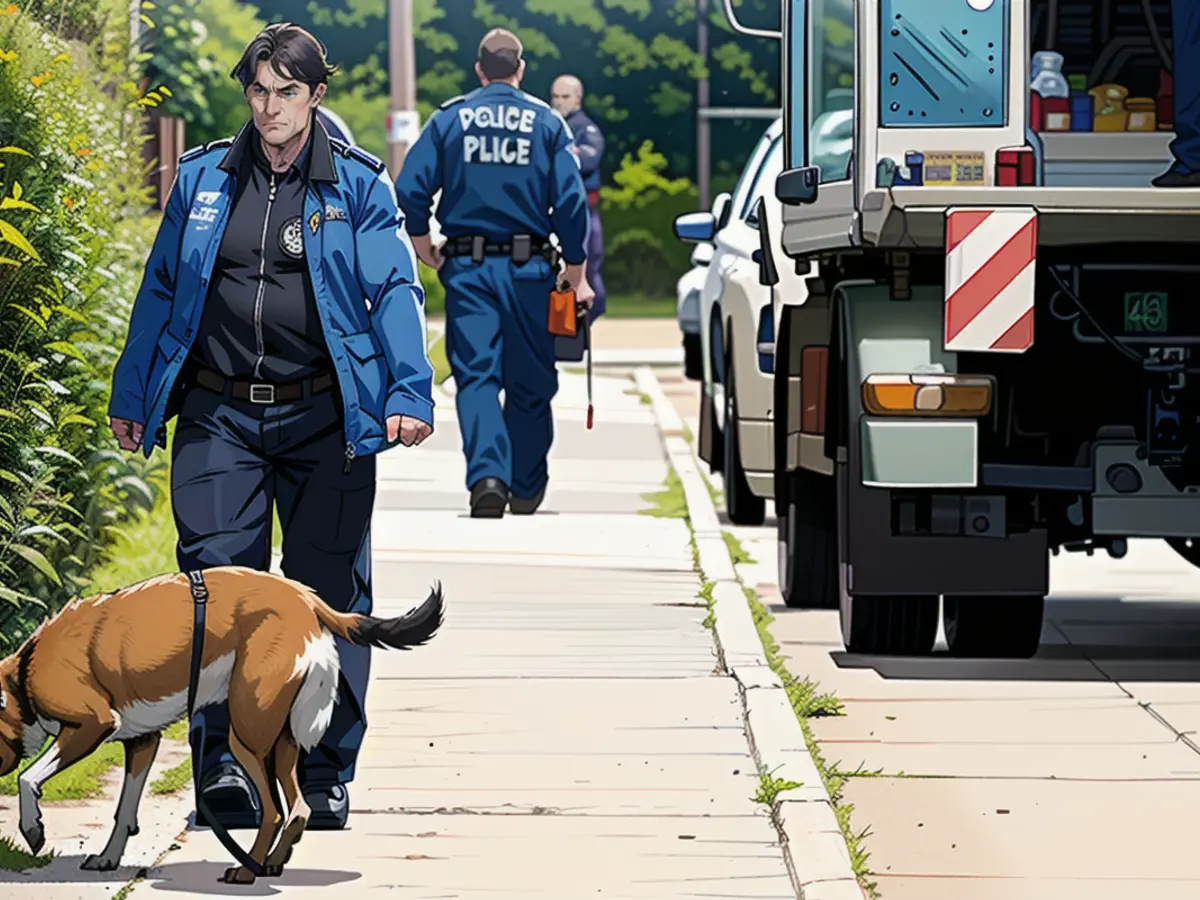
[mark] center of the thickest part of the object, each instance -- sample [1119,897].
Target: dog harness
[200,607]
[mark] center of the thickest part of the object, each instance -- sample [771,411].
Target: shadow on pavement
[1085,638]
[205,878]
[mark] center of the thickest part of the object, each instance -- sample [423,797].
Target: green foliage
[193,46]
[636,262]
[435,294]
[72,242]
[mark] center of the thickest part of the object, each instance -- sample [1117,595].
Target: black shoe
[489,496]
[330,805]
[1176,177]
[230,796]
[522,506]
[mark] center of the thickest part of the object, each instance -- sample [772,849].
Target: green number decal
[1146,312]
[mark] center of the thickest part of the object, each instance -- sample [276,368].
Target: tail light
[928,395]
[1015,167]
[813,367]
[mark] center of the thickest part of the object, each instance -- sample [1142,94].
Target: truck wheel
[808,566]
[880,624]
[743,506]
[1000,627]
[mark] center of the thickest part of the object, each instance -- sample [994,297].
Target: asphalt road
[1075,774]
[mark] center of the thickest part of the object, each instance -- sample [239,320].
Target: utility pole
[404,124]
[703,132]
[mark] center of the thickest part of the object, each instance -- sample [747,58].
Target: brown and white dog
[115,667]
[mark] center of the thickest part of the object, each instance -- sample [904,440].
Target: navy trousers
[498,338]
[231,461]
[595,262]
[1185,26]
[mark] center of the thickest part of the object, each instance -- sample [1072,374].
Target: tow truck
[994,361]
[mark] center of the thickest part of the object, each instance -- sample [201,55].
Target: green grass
[737,552]
[437,357]
[808,702]
[770,787]
[669,503]
[632,306]
[706,594]
[80,782]
[174,779]
[14,859]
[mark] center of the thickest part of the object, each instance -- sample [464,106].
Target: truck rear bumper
[1129,497]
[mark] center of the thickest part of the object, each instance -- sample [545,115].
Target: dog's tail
[400,633]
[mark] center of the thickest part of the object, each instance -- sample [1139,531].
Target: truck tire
[881,624]
[808,563]
[994,627]
[743,506]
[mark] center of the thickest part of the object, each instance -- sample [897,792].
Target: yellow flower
[70,204]
[83,151]
[8,55]
[62,57]
[39,80]
[11,10]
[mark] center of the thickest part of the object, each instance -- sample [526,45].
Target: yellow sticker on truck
[953,168]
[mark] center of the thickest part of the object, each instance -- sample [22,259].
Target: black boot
[489,496]
[1177,177]
[527,506]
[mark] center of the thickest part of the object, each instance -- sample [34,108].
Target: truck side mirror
[798,187]
[768,275]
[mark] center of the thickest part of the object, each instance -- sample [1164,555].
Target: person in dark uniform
[567,96]
[1185,29]
[509,177]
[281,318]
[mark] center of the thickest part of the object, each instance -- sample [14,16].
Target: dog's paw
[35,837]
[96,863]
[238,875]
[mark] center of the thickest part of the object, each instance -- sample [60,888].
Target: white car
[737,333]
[687,309]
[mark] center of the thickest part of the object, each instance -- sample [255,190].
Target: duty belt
[260,393]
[520,248]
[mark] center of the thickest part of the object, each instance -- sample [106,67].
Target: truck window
[943,64]
[831,76]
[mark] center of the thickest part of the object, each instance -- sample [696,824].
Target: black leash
[200,596]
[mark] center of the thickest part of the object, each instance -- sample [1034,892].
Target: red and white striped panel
[990,256]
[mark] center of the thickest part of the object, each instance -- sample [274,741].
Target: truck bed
[915,216]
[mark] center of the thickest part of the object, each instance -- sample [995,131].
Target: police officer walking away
[509,177]
[281,318]
[567,96]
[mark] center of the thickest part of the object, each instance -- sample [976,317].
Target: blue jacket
[504,164]
[590,141]
[363,273]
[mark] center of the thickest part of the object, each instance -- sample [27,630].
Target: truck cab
[992,362]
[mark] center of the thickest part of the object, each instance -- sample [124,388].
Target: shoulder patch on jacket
[374,163]
[196,152]
[453,101]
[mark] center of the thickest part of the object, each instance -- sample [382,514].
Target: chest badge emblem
[291,238]
[314,221]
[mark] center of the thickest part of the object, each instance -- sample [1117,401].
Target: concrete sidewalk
[566,735]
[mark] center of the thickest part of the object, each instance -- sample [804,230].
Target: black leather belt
[260,392]
[521,248]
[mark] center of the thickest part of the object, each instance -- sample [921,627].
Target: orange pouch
[562,313]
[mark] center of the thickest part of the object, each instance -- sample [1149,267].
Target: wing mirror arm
[768,275]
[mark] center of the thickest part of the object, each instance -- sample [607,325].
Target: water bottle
[1052,86]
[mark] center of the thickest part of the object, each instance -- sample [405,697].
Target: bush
[73,235]
[636,262]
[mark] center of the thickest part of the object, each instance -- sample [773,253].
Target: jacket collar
[320,152]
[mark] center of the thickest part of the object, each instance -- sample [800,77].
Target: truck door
[820,111]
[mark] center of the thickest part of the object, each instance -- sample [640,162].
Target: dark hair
[292,52]
[500,54]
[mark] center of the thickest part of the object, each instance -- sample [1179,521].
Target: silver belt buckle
[262,393]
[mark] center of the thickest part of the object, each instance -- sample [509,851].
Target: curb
[814,849]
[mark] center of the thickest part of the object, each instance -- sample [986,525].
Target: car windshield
[753,164]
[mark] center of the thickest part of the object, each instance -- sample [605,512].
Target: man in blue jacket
[1185,28]
[567,96]
[281,319]
[509,177]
